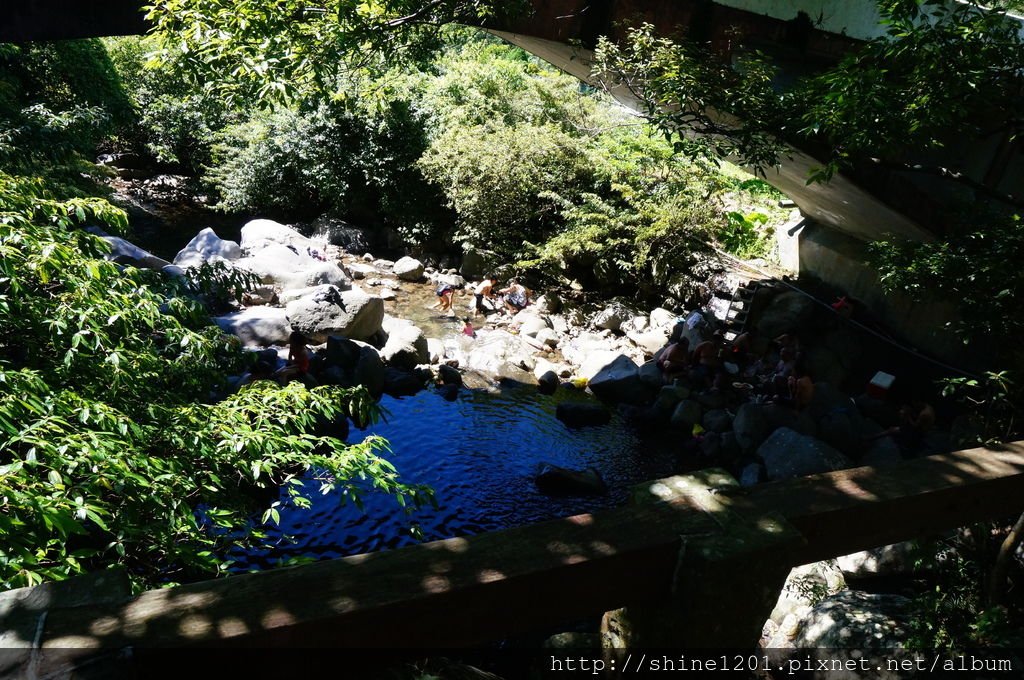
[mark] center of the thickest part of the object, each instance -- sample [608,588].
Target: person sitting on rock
[740,349]
[297,367]
[789,341]
[484,289]
[916,419]
[801,389]
[516,297]
[707,359]
[777,383]
[675,360]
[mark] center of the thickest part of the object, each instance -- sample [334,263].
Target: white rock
[408,269]
[352,314]
[650,341]
[532,325]
[206,246]
[258,234]
[547,337]
[435,350]
[359,270]
[126,252]
[275,263]
[661,318]
[257,325]
[320,273]
[406,346]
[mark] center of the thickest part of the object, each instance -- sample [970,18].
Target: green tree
[113,450]
[267,52]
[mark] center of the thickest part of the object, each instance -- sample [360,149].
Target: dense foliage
[485,145]
[268,52]
[119,440]
[942,71]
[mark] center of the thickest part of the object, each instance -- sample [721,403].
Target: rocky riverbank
[369,323]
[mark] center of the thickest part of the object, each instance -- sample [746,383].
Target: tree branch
[997,583]
[952,175]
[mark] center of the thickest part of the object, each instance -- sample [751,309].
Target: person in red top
[298,360]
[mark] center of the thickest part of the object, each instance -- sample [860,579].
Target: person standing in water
[484,289]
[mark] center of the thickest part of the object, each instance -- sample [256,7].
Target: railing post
[726,582]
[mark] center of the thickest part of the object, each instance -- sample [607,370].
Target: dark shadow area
[469,591]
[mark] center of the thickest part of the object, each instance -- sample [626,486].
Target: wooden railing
[646,557]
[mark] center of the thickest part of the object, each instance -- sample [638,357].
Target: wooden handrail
[462,591]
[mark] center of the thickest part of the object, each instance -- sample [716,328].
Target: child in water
[468,328]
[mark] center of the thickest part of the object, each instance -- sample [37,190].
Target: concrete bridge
[802,35]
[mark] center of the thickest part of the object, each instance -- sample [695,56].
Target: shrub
[111,448]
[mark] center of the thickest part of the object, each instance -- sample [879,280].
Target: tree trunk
[997,584]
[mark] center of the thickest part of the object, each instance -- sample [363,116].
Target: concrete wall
[842,262]
[855,18]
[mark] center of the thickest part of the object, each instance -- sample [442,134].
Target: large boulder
[449,375]
[328,311]
[838,419]
[806,586]
[548,382]
[637,324]
[555,480]
[649,341]
[500,354]
[127,253]
[548,303]
[406,346]
[341,352]
[662,318]
[652,376]
[259,234]
[668,397]
[686,414]
[361,270]
[825,366]
[594,362]
[206,246]
[853,620]
[317,274]
[532,324]
[257,325]
[717,420]
[370,370]
[399,383]
[787,313]
[435,350]
[887,560]
[408,269]
[589,351]
[475,262]
[751,426]
[787,454]
[276,263]
[612,316]
[620,381]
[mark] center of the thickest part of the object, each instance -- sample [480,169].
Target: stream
[479,454]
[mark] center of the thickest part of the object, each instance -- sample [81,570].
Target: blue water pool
[479,453]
